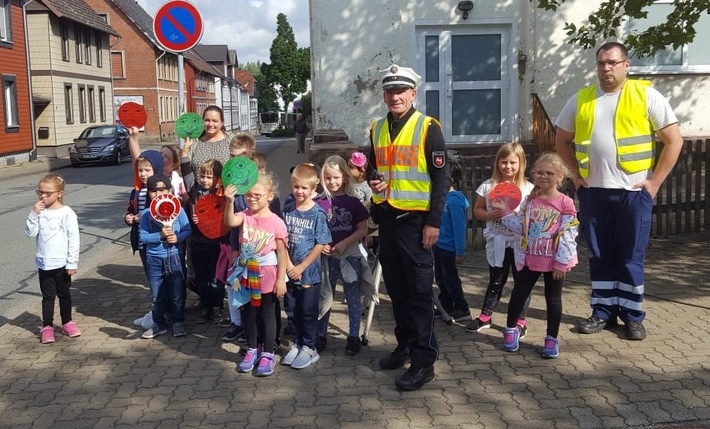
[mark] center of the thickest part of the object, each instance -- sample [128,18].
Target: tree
[605,22]
[307,105]
[265,94]
[289,70]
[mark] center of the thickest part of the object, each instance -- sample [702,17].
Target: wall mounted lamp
[465,7]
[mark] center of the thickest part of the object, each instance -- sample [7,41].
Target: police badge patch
[438,158]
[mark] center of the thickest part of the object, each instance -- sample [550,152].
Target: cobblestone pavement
[109,377]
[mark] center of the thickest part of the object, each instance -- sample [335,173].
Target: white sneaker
[306,357]
[290,356]
[147,322]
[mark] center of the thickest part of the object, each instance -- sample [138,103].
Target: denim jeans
[448,280]
[305,309]
[167,286]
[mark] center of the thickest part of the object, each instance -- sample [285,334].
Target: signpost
[178,27]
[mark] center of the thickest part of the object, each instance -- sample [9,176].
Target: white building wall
[351,41]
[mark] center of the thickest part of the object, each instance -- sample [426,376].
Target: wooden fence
[680,206]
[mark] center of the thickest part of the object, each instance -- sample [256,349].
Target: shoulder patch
[438,158]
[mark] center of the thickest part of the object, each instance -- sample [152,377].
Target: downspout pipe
[33,152]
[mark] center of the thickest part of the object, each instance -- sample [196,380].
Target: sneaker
[551,349]
[205,316]
[591,326]
[266,365]
[70,329]
[306,357]
[460,315]
[320,343]
[478,325]
[146,321]
[232,333]
[353,346]
[290,356]
[179,329]
[224,322]
[635,331]
[46,335]
[247,364]
[154,332]
[523,330]
[510,339]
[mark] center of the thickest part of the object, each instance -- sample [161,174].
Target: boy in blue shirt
[308,233]
[450,248]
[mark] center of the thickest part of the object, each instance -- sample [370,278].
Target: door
[465,81]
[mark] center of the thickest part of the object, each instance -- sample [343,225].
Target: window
[87,46]
[82,103]
[693,57]
[117,65]
[102,104]
[99,49]
[69,103]
[92,105]
[9,98]
[78,40]
[5,21]
[104,16]
[65,40]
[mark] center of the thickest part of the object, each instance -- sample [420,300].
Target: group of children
[262,253]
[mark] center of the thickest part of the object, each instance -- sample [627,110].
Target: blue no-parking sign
[178,25]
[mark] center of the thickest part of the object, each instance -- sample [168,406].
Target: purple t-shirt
[346,213]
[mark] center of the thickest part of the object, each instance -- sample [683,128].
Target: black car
[100,144]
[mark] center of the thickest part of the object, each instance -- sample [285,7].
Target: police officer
[409,180]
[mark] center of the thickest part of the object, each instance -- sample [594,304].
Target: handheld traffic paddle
[165,208]
[240,172]
[189,125]
[132,115]
[506,192]
[210,211]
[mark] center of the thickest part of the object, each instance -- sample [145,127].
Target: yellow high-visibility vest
[633,132]
[402,163]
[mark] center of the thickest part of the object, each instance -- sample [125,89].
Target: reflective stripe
[636,156]
[632,305]
[413,175]
[604,285]
[408,195]
[628,141]
[636,290]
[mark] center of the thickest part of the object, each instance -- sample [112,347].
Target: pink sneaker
[46,335]
[70,329]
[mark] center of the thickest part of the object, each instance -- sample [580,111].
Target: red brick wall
[13,61]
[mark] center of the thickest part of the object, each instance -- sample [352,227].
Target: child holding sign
[508,170]
[164,228]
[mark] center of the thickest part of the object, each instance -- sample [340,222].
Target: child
[346,259]
[204,251]
[261,268]
[171,168]
[308,234]
[240,143]
[509,166]
[548,225]
[56,229]
[450,247]
[357,166]
[164,248]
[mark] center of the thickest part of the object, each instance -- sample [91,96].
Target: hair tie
[358,159]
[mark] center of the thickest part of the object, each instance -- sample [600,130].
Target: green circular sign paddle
[189,125]
[240,172]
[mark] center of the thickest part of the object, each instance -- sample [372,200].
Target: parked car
[100,144]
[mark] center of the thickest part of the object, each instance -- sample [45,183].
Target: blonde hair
[57,181]
[337,163]
[505,151]
[176,157]
[256,156]
[267,180]
[307,173]
[242,140]
[556,163]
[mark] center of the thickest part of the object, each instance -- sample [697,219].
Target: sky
[249,26]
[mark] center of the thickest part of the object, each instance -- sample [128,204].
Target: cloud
[249,26]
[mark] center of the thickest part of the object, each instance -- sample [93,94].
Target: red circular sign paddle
[132,115]
[210,212]
[165,208]
[507,192]
[178,25]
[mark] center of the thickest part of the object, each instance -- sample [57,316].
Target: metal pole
[181,94]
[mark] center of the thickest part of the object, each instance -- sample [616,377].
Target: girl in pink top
[547,223]
[262,268]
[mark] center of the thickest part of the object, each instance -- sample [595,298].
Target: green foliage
[290,66]
[265,94]
[307,105]
[605,22]
[282,132]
